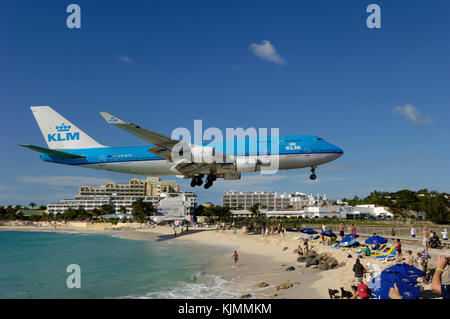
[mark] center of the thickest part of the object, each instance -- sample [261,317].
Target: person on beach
[367,251]
[444,234]
[426,238]
[235,258]
[358,269]
[305,245]
[392,232]
[299,250]
[409,259]
[398,248]
[353,230]
[394,293]
[423,263]
[341,231]
[437,283]
[362,292]
[413,232]
[324,227]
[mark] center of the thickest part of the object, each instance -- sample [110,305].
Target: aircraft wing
[164,144]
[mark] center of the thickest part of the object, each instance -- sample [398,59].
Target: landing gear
[313,175]
[209,181]
[197,181]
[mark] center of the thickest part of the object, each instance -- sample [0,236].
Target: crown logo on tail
[63,128]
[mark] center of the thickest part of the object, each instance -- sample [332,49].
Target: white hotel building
[270,201]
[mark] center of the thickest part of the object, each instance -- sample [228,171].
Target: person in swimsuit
[235,258]
[341,231]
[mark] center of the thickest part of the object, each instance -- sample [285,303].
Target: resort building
[152,186]
[270,200]
[91,202]
[180,205]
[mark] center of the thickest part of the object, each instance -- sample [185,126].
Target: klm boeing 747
[69,145]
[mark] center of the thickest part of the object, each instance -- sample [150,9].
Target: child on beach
[409,258]
[398,248]
[423,263]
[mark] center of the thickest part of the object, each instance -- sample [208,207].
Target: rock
[273,296]
[285,285]
[311,262]
[291,268]
[262,284]
[342,264]
[323,256]
[285,248]
[311,254]
[324,266]
[301,259]
[246,296]
[333,262]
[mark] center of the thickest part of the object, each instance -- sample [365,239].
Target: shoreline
[262,259]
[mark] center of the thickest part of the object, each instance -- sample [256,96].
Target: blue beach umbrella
[376,240]
[328,233]
[309,231]
[405,269]
[380,286]
[349,237]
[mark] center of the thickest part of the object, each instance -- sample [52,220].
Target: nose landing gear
[313,175]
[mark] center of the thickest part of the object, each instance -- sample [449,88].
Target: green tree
[107,209]
[140,209]
[254,209]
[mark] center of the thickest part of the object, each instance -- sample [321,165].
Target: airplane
[69,145]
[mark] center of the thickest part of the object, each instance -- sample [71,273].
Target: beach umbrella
[328,233]
[349,237]
[309,231]
[376,240]
[380,286]
[405,269]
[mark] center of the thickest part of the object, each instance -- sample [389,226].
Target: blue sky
[382,95]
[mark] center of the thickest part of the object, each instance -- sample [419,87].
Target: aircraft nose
[337,149]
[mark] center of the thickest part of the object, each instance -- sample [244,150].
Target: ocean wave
[204,286]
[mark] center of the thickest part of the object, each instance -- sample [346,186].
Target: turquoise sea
[33,265]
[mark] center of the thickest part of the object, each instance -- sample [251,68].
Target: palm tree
[32,205]
[254,209]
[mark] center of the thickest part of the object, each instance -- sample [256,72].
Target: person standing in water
[235,258]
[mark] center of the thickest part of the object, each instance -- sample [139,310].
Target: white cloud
[237,67]
[125,59]
[266,51]
[63,181]
[412,114]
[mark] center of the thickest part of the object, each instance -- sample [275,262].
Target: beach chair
[391,255]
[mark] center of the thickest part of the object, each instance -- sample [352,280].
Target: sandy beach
[262,260]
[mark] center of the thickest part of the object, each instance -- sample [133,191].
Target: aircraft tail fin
[58,132]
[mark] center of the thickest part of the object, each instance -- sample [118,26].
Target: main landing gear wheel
[209,181]
[196,181]
[313,175]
